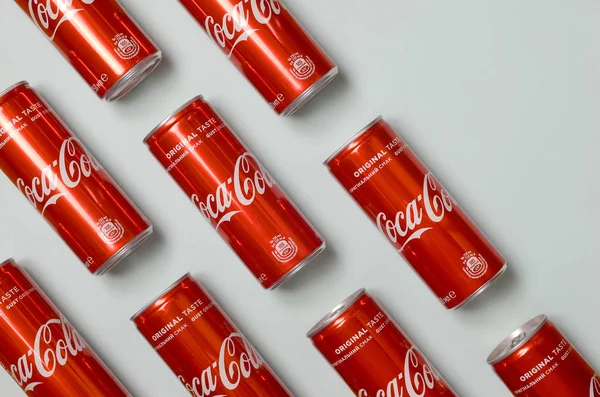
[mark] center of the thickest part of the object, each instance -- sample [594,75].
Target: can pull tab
[518,339]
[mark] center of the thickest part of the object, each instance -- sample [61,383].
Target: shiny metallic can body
[100,40]
[269,47]
[201,345]
[235,193]
[372,354]
[41,350]
[417,214]
[65,183]
[537,360]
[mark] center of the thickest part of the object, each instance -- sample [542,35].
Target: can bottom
[310,93]
[286,277]
[481,289]
[133,77]
[124,252]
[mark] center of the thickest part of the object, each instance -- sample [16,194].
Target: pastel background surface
[499,98]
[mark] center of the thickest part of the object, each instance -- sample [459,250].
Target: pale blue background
[500,99]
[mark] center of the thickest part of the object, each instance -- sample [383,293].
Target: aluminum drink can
[99,39]
[41,350]
[202,346]
[416,213]
[65,183]
[372,354]
[269,47]
[537,360]
[235,193]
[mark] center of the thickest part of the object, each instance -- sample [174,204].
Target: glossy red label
[375,358]
[547,366]
[414,211]
[204,349]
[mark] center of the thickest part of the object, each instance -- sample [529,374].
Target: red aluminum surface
[41,350]
[100,40]
[372,354]
[201,345]
[235,193]
[266,44]
[65,183]
[417,214]
[543,363]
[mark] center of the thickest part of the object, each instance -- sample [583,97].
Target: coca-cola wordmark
[416,384]
[405,226]
[48,353]
[247,181]
[231,368]
[237,21]
[48,15]
[74,163]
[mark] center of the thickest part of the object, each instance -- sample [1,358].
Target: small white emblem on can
[125,47]
[110,230]
[475,265]
[301,67]
[284,249]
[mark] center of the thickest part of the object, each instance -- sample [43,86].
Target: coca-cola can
[537,360]
[268,46]
[235,193]
[99,39]
[372,354]
[65,183]
[41,350]
[416,213]
[202,346]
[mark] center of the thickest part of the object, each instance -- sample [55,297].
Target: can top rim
[354,138]
[12,87]
[161,295]
[336,312]
[6,262]
[171,116]
[517,339]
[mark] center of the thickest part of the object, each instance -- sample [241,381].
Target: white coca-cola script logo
[236,22]
[595,387]
[74,163]
[406,225]
[250,179]
[235,364]
[48,15]
[54,342]
[418,378]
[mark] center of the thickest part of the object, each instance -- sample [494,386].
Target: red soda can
[201,345]
[41,350]
[268,45]
[537,360]
[372,354]
[235,193]
[100,40]
[65,183]
[417,214]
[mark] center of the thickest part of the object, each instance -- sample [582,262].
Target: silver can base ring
[310,93]
[286,277]
[133,77]
[124,252]
[481,289]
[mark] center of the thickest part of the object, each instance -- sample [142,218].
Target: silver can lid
[517,339]
[355,137]
[172,115]
[12,87]
[336,312]
[161,295]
